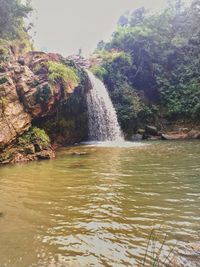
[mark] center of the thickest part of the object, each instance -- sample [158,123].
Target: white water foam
[103,124]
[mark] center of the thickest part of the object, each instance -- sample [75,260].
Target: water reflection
[98,208]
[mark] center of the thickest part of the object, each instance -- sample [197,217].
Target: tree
[163,66]
[12,13]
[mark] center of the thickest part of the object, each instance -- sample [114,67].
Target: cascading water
[103,124]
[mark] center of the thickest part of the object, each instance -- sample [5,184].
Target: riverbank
[172,133]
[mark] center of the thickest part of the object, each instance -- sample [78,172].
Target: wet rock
[173,136]
[193,134]
[21,61]
[45,154]
[183,135]
[183,130]
[136,137]
[151,130]
[141,131]
[154,138]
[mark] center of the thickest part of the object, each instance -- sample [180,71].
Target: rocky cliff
[41,103]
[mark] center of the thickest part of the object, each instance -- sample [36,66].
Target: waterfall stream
[103,124]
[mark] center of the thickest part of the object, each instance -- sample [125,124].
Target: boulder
[193,134]
[141,131]
[173,136]
[183,130]
[151,130]
[136,137]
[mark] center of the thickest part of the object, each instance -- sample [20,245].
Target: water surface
[98,209]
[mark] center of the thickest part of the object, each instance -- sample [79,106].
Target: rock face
[27,97]
[32,145]
[189,135]
[14,120]
[152,133]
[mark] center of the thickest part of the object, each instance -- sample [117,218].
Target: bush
[3,80]
[58,71]
[34,135]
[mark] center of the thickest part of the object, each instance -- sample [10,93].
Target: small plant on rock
[60,72]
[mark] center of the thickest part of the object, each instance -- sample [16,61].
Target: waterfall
[103,124]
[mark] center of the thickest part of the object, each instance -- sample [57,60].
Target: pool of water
[97,206]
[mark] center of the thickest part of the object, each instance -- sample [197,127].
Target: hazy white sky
[64,26]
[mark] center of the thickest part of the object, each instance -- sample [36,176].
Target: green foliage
[3,104]
[5,155]
[158,57]
[58,71]
[4,51]
[34,136]
[99,71]
[3,80]
[12,13]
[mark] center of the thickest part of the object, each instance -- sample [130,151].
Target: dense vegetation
[151,66]
[12,14]
[59,71]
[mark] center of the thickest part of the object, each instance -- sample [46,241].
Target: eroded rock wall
[27,99]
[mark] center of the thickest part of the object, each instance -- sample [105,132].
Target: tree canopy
[158,60]
[12,13]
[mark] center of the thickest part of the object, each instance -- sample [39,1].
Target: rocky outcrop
[152,133]
[14,120]
[32,145]
[182,135]
[27,97]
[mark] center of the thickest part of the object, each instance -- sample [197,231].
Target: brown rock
[13,118]
[151,130]
[173,136]
[193,134]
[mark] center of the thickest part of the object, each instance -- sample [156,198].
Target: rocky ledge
[36,87]
[152,133]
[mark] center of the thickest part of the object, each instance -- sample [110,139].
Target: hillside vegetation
[151,66]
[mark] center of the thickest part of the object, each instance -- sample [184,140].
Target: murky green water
[99,209]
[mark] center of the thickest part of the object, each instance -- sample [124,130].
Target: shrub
[58,71]
[99,71]
[3,80]
[34,135]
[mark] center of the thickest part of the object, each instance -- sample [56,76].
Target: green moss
[58,71]
[34,83]
[41,136]
[3,104]
[3,80]
[4,51]
[43,94]
[6,155]
[34,136]
[99,71]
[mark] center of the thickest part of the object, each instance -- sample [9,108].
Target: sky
[65,26]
